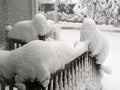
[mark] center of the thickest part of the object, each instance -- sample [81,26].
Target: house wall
[12,11]
[19,10]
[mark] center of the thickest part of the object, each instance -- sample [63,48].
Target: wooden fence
[80,74]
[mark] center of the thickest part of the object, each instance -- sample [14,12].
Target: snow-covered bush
[36,60]
[80,11]
[102,11]
[54,30]
[98,44]
[30,29]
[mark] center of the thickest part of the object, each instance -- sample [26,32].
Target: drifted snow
[98,43]
[37,59]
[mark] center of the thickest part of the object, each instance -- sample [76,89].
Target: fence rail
[15,43]
[80,74]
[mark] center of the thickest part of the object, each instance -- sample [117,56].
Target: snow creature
[98,44]
[36,60]
[29,30]
[54,30]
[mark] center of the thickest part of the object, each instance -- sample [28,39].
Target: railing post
[34,7]
[34,86]
[56,11]
[2,86]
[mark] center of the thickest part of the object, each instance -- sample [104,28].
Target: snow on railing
[81,73]
[15,43]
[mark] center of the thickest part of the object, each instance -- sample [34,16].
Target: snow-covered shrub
[36,60]
[54,31]
[102,8]
[30,29]
[98,44]
[63,16]
[80,11]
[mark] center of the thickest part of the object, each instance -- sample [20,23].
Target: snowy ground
[110,82]
[70,25]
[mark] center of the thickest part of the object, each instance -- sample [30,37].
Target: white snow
[109,82]
[98,44]
[39,23]
[112,82]
[37,59]
[8,27]
[79,10]
[30,29]
[106,69]
[54,31]
[23,30]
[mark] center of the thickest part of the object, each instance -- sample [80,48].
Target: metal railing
[16,43]
[81,73]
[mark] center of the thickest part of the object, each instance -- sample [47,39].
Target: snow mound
[29,30]
[54,30]
[106,69]
[36,60]
[39,23]
[8,27]
[98,44]
[24,31]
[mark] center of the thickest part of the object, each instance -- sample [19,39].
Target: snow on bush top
[30,29]
[37,59]
[98,44]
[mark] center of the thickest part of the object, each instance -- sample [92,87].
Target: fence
[80,74]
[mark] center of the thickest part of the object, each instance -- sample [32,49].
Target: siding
[12,11]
